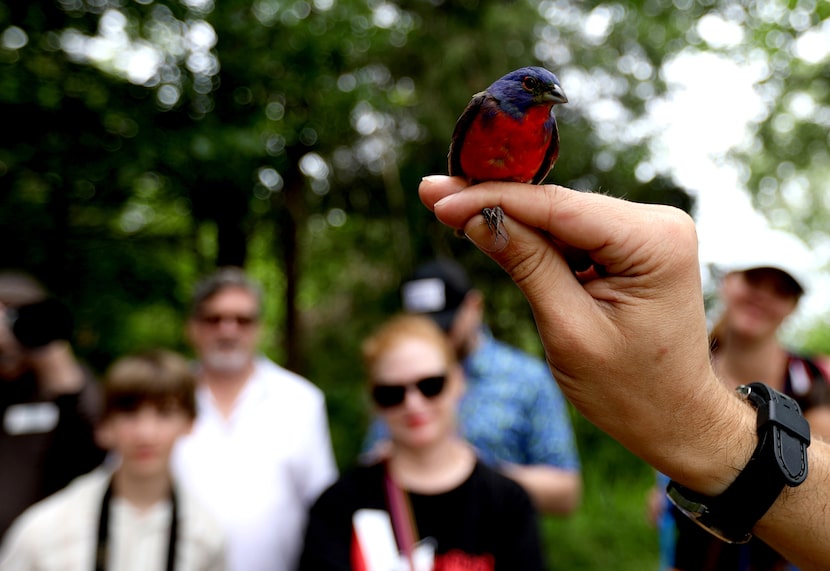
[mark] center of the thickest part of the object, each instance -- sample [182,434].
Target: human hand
[625,335]
[57,369]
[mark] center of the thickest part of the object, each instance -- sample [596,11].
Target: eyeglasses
[388,396]
[240,320]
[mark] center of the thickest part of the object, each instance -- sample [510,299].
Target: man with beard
[260,451]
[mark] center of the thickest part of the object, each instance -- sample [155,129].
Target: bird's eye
[530,83]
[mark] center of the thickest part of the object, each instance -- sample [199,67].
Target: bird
[508,132]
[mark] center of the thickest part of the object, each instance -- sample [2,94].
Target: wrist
[720,447]
[778,461]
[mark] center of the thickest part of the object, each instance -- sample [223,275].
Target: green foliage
[272,123]
[610,530]
[817,340]
[788,164]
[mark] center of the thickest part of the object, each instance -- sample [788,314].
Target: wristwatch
[779,459]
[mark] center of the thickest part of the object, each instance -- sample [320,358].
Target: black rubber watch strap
[779,460]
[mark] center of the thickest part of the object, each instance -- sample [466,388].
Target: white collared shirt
[59,533]
[259,470]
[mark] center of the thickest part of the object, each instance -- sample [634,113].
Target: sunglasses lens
[386,396]
[240,320]
[431,386]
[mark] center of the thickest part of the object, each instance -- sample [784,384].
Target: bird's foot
[494,217]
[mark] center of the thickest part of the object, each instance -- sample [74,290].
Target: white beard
[226,361]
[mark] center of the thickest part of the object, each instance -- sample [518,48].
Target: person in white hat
[761,286]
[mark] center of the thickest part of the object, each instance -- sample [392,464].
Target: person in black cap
[512,411]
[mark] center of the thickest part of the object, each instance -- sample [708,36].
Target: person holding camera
[48,401]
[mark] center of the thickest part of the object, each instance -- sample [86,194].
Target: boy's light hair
[158,377]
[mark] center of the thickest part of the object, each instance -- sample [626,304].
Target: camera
[37,324]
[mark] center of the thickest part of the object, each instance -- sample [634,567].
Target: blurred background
[145,142]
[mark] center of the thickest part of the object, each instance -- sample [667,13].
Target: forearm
[553,490]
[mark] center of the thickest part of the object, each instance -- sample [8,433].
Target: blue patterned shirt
[512,410]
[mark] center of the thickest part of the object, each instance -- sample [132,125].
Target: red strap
[400,512]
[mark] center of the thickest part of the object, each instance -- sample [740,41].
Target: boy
[132,516]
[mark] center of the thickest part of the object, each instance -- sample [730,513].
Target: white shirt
[259,470]
[60,533]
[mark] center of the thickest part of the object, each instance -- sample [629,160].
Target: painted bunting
[508,132]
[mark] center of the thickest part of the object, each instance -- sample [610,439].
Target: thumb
[537,264]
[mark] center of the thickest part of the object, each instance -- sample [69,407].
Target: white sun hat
[767,249]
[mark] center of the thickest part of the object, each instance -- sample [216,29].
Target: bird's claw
[494,217]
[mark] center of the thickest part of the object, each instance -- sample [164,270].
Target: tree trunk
[290,216]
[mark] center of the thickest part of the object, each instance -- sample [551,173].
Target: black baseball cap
[437,289]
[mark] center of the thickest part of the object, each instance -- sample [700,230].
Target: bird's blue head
[527,86]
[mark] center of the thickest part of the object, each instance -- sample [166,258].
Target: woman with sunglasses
[430,504]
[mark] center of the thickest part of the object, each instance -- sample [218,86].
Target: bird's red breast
[500,147]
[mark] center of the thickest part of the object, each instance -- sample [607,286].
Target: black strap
[102,548]
[779,460]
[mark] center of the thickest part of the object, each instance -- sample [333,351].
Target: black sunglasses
[240,320]
[387,396]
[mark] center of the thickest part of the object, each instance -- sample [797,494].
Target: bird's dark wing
[460,132]
[550,156]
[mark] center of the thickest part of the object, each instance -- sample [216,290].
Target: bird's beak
[555,95]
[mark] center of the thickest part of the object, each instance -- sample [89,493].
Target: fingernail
[444,200]
[485,239]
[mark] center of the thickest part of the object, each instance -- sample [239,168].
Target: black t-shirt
[488,522]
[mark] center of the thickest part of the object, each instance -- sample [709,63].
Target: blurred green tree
[203,127]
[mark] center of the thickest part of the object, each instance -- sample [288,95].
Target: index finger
[625,238]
